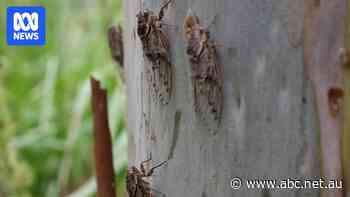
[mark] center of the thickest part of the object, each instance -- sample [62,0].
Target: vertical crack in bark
[302,154]
[178,116]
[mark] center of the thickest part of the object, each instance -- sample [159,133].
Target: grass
[45,116]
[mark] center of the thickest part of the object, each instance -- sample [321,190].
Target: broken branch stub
[102,141]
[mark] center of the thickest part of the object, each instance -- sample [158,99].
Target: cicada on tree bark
[155,44]
[205,69]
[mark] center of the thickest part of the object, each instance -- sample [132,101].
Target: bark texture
[323,46]
[346,130]
[268,124]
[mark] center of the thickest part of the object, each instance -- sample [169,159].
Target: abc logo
[33,21]
[26,25]
[32,25]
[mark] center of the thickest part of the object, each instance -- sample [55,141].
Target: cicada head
[190,23]
[143,26]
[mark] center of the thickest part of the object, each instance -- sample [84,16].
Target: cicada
[136,183]
[155,44]
[207,76]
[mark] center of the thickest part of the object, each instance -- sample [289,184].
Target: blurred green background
[45,117]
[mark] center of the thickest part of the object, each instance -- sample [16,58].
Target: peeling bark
[323,41]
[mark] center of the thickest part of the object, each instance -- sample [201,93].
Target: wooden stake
[102,143]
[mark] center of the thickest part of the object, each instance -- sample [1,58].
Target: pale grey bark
[268,122]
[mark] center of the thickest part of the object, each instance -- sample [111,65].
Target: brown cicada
[155,44]
[136,183]
[115,42]
[206,71]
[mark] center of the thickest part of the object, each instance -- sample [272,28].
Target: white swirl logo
[32,24]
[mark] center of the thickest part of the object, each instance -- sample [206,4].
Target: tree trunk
[268,125]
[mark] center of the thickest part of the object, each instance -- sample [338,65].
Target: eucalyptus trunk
[268,127]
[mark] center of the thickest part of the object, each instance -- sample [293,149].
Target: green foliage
[45,116]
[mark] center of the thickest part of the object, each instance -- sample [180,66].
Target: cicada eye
[141,30]
[139,19]
[134,169]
